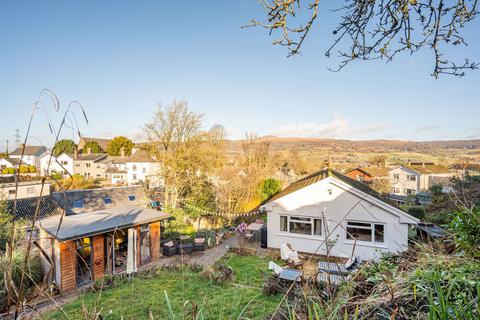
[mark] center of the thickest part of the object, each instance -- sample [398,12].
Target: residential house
[141,167]
[25,189]
[410,179]
[31,155]
[117,170]
[465,169]
[330,214]
[62,164]
[368,174]
[104,231]
[9,163]
[91,165]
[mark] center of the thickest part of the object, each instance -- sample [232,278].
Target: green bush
[443,217]
[417,212]
[466,228]
[268,188]
[32,169]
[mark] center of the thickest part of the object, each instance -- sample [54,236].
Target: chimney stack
[122,152]
[89,150]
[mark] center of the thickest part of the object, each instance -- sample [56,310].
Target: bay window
[365,231]
[301,225]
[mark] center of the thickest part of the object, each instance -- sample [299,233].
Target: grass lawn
[136,298]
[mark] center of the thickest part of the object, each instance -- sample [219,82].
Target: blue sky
[121,58]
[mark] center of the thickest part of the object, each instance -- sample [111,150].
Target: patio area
[203,258]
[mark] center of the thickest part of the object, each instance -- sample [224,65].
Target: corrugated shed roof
[26,208]
[97,222]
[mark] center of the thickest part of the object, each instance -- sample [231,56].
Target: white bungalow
[329,208]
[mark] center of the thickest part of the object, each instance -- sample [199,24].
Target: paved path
[204,258]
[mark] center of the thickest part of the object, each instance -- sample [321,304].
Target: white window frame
[311,222]
[372,231]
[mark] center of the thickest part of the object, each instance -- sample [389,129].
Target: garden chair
[169,248]
[199,242]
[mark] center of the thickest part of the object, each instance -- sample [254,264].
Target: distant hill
[278,143]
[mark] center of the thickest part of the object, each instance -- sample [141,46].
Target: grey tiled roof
[13,161]
[29,151]
[91,157]
[140,156]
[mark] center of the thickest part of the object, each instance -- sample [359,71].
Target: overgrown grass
[184,292]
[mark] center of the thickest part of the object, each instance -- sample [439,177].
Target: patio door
[83,261]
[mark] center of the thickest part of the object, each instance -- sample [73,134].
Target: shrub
[23,169]
[417,212]
[441,218]
[466,228]
[269,187]
[33,276]
[8,171]
[32,169]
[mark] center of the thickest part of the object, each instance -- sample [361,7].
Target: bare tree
[185,151]
[239,180]
[379,29]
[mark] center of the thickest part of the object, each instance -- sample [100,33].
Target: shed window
[78,204]
[301,225]
[365,231]
[107,200]
[131,197]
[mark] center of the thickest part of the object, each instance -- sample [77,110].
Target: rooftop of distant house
[29,151]
[13,161]
[427,168]
[23,184]
[374,171]
[466,166]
